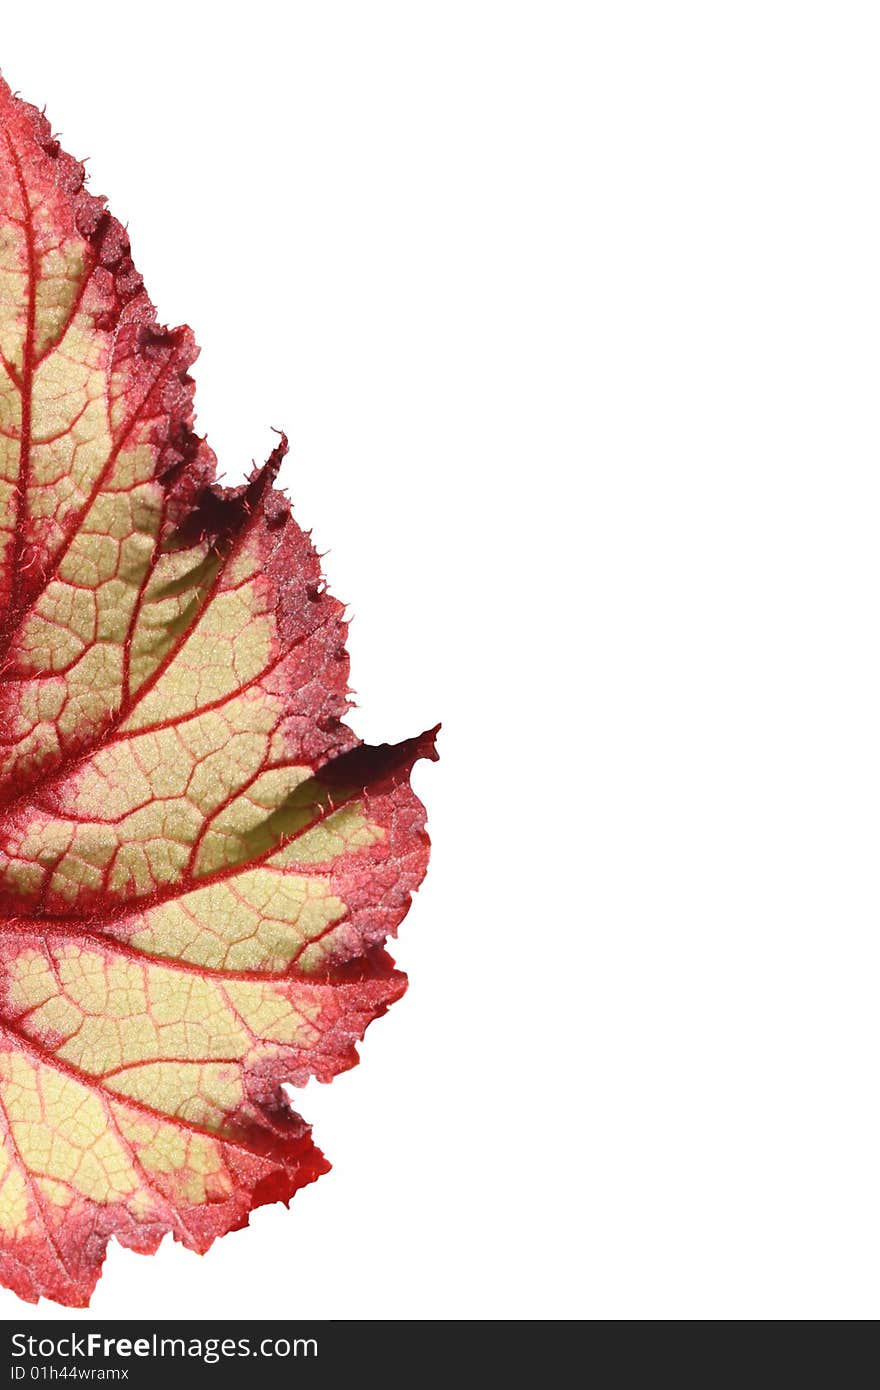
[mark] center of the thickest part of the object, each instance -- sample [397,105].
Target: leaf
[199,862]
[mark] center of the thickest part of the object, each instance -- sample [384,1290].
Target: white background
[572,314]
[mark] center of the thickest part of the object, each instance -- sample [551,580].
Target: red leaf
[199,862]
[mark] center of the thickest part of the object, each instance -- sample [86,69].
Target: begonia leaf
[199,861]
